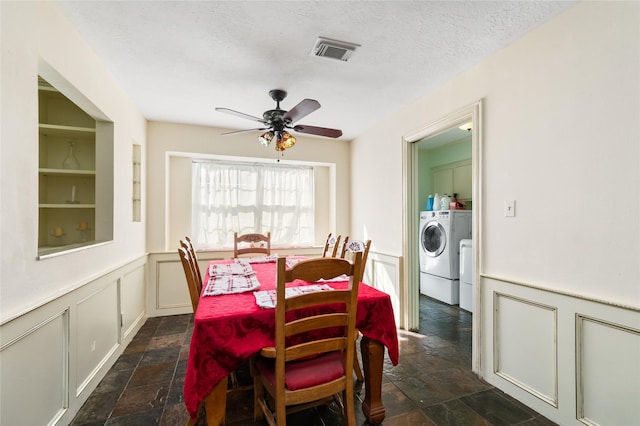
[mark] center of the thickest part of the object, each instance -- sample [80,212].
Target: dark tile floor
[432,384]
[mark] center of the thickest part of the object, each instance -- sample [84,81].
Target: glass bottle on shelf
[71,162]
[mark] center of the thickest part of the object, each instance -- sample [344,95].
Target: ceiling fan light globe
[265,138]
[287,140]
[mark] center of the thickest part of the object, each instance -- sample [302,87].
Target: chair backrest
[187,244]
[310,319]
[357,246]
[331,246]
[190,276]
[257,244]
[343,247]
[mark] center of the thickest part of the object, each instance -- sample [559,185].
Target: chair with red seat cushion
[191,276]
[348,251]
[312,360]
[188,245]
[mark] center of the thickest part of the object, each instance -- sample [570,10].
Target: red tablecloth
[229,329]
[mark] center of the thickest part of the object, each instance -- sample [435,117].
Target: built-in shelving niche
[75,169]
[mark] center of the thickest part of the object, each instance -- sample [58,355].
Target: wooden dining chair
[194,283]
[190,275]
[343,248]
[298,372]
[348,251]
[331,246]
[188,245]
[257,244]
[357,246]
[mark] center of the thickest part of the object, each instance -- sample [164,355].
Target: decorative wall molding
[76,337]
[539,340]
[18,366]
[529,359]
[607,355]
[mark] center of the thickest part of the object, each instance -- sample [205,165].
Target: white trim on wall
[409,288]
[168,155]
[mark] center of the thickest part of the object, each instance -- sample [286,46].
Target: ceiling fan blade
[243,131]
[320,131]
[240,114]
[304,108]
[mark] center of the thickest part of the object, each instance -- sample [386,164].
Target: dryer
[467,275]
[440,235]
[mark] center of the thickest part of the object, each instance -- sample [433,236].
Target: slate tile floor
[432,385]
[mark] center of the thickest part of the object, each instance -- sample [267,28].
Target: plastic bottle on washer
[436,202]
[429,205]
[444,202]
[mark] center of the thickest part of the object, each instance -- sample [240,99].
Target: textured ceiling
[179,60]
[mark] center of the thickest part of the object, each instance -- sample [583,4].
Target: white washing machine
[467,275]
[440,235]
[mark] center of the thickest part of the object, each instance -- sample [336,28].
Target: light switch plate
[510,208]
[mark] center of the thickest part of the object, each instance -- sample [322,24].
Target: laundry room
[445,226]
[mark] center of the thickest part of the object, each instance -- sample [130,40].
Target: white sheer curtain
[242,197]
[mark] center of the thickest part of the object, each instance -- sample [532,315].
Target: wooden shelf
[66,206]
[67,131]
[65,172]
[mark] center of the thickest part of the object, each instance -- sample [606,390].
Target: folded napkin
[257,259]
[230,269]
[335,279]
[267,298]
[293,261]
[230,284]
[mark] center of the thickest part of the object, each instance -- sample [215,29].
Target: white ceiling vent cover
[334,49]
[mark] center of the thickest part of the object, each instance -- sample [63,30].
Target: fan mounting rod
[277,95]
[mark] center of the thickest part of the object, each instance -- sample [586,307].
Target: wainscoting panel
[383,272]
[53,356]
[34,379]
[570,358]
[171,287]
[608,359]
[525,351]
[98,327]
[132,299]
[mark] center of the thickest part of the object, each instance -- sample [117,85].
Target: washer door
[433,239]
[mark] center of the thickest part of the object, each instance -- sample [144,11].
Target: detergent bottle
[436,202]
[429,203]
[444,202]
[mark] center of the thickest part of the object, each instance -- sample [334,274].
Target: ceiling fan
[278,122]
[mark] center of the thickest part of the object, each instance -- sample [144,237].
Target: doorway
[414,202]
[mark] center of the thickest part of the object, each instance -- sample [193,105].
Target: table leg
[372,359]
[216,404]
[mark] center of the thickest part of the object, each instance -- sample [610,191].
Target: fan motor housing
[274,116]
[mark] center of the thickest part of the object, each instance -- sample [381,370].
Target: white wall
[561,134]
[170,139]
[34,32]
[559,282]
[75,312]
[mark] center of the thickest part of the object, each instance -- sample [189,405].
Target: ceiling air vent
[334,49]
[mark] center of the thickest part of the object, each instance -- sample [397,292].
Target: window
[247,197]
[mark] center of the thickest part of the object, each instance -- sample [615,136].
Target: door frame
[410,286]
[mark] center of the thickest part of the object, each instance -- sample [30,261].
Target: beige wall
[558,284]
[172,146]
[36,37]
[561,134]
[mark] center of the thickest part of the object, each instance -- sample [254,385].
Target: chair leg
[356,367]
[349,415]
[258,392]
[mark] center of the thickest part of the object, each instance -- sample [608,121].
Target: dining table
[230,328]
